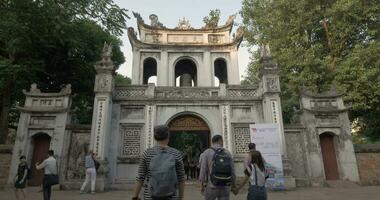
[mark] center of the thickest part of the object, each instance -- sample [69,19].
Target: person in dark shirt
[161,135]
[20,179]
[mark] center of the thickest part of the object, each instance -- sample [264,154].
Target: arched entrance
[41,145]
[329,156]
[191,135]
[185,73]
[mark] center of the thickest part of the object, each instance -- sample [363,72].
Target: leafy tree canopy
[212,20]
[53,43]
[318,43]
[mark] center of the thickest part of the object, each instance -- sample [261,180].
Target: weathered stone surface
[368,159]
[5,163]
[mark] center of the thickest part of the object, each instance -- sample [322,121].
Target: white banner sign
[268,142]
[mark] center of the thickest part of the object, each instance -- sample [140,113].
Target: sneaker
[92,192]
[82,192]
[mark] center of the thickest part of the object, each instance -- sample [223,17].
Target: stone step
[341,184]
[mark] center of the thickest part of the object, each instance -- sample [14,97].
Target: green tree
[318,43]
[52,43]
[212,20]
[122,80]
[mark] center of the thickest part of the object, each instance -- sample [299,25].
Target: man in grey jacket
[212,192]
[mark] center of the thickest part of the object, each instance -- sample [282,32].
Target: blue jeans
[257,193]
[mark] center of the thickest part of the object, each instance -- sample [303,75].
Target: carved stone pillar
[104,84]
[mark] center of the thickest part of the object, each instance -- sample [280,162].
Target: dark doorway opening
[191,136]
[329,156]
[41,145]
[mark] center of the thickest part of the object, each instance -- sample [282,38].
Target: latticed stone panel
[241,93]
[130,93]
[130,141]
[241,139]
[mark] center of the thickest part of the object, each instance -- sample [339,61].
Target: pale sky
[170,11]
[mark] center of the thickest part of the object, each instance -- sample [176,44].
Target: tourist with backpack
[161,171]
[23,173]
[255,173]
[217,174]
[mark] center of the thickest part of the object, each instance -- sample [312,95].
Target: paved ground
[355,193]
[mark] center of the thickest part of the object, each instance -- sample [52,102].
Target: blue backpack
[163,180]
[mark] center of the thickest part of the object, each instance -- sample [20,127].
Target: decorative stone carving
[154,21]
[130,140]
[79,147]
[150,126]
[216,38]
[183,93]
[129,93]
[241,93]
[275,114]
[105,64]
[188,123]
[99,126]
[239,33]
[184,24]
[188,38]
[138,17]
[34,89]
[225,126]
[272,84]
[66,89]
[230,19]
[241,139]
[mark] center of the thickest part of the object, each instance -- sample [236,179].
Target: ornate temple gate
[191,124]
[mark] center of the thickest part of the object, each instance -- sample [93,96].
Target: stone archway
[189,134]
[329,156]
[41,145]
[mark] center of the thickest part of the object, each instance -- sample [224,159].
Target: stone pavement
[355,193]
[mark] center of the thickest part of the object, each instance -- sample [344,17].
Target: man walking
[90,172]
[161,170]
[51,174]
[217,173]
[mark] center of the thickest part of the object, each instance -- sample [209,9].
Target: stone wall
[368,159]
[5,163]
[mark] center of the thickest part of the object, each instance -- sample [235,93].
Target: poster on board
[268,142]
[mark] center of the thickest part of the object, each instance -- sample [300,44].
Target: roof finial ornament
[183,24]
[154,21]
[231,19]
[138,17]
[107,51]
[265,51]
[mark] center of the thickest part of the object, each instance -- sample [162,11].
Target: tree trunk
[4,111]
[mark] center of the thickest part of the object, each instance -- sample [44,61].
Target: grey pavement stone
[192,193]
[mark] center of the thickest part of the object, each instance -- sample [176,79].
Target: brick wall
[5,163]
[368,159]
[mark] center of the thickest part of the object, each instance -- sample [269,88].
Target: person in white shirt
[90,165]
[50,168]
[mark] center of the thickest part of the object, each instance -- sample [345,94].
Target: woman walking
[90,165]
[255,174]
[20,179]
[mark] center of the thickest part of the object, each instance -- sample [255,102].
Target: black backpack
[221,171]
